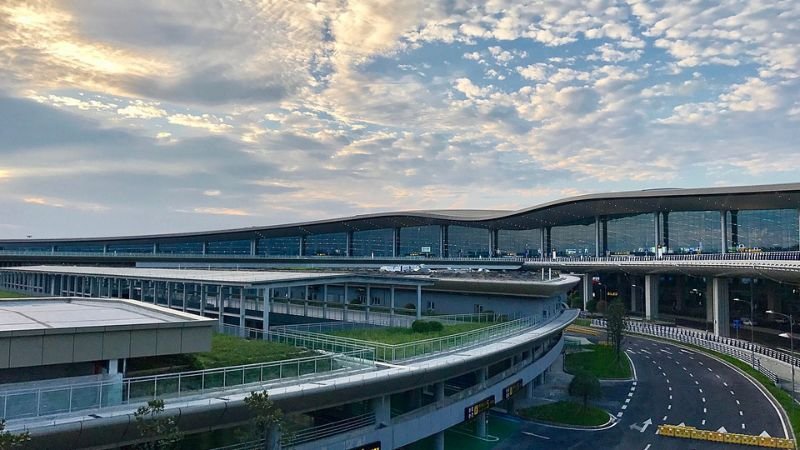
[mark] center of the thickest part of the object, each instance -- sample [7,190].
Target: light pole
[791,346]
[752,326]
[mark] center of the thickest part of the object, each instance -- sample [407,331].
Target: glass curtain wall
[182,248]
[279,246]
[83,248]
[420,241]
[525,243]
[330,244]
[628,235]
[573,240]
[241,247]
[694,232]
[467,242]
[763,230]
[129,248]
[373,242]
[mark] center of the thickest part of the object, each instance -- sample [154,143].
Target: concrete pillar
[265,313]
[242,312]
[529,390]
[443,242]
[480,421]
[185,299]
[721,307]
[302,249]
[221,308]
[709,300]
[587,290]
[349,244]
[253,243]
[657,231]
[680,292]
[665,231]
[395,242]
[597,244]
[324,301]
[130,289]
[773,304]
[53,286]
[203,299]
[382,407]
[391,300]
[723,224]
[438,395]
[651,296]
[635,285]
[419,301]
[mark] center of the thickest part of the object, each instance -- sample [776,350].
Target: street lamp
[752,326]
[791,344]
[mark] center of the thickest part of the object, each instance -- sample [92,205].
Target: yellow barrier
[686,432]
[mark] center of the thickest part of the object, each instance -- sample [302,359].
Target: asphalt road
[673,386]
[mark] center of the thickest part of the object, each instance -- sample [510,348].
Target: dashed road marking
[704,399]
[700,389]
[619,414]
[737,402]
[704,422]
[624,406]
[627,400]
[743,426]
[740,413]
[705,410]
[725,384]
[696,382]
[630,394]
[664,419]
[732,393]
[669,406]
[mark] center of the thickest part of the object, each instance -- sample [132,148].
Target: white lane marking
[528,433]
[647,447]
[666,351]
[709,369]
[696,382]
[627,400]
[670,388]
[717,375]
[701,362]
[670,397]
[740,413]
[685,351]
[630,394]
[725,384]
[704,422]
[624,406]
[634,383]
[669,406]
[619,414]
[667,380]
[704,399]
[705,410]
[664,419]
[690,374]
[700,389]
[664,373]
[743,426]
[633,388]
[737,402]
[659,367]
[732,393]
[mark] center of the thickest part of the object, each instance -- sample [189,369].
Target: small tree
[615,326]
[266,415]
[9,440]
[158,431]
[585,386]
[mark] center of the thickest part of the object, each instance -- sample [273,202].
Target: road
[673,386]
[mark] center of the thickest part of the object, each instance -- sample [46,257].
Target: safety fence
[737,256]
[727,346]
[686,432]
[326,430]
[61,399]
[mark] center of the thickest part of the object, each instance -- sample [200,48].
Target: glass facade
[525,243]
[241,247]
[694,232]
[183,248]
[764,230]
[420,241]
[26,248]
[129,248]
[332,244]
[83,248]
[629,235]
[279,246]
[373,242]
[573,240]
[467,242]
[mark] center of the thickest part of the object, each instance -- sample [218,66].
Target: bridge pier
[721,307]
[651,296]
[587,290]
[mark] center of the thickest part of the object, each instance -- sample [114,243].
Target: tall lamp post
[752,325]
[791,345]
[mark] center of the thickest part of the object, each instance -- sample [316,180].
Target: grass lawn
[397,335]
[567,413]
[583,322]
[600,361]
[6,294]
[225,351]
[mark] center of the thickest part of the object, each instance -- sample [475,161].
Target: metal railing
[327,430]
[75,397]
[732,347]
[758,256]
[398,352]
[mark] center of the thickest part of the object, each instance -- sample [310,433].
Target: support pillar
[242,312]
[381,406]
[395,242]
[183,306]
[634,295]
[443,242]
[265,313]
[587,290]
[597,244]
[438,395]
[203,299]
[220,308]
[349,244]
[709,300]
[680,292]
[657,232]
[324,301]
[773,304]
[651,296]
[480,421]
[723,225]
[721,307]
[419,301]
[665,231]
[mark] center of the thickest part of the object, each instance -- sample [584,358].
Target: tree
[615,326]
[585,386]
[158,431]
[267,417]
[9,440]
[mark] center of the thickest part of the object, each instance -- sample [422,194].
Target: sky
[120,118]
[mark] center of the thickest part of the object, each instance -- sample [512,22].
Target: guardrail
[708,341]
[76,397]
[777,255]
[686,432]
[398,352]
[329,429]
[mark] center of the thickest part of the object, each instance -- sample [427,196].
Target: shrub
[425,326]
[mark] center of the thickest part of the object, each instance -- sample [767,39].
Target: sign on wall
[470,412]
[512,389]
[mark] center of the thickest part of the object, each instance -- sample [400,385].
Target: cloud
[220,211]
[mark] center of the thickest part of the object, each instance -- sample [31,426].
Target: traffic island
[568,413]
[600,361]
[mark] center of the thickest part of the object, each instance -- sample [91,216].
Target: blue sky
[161,116]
